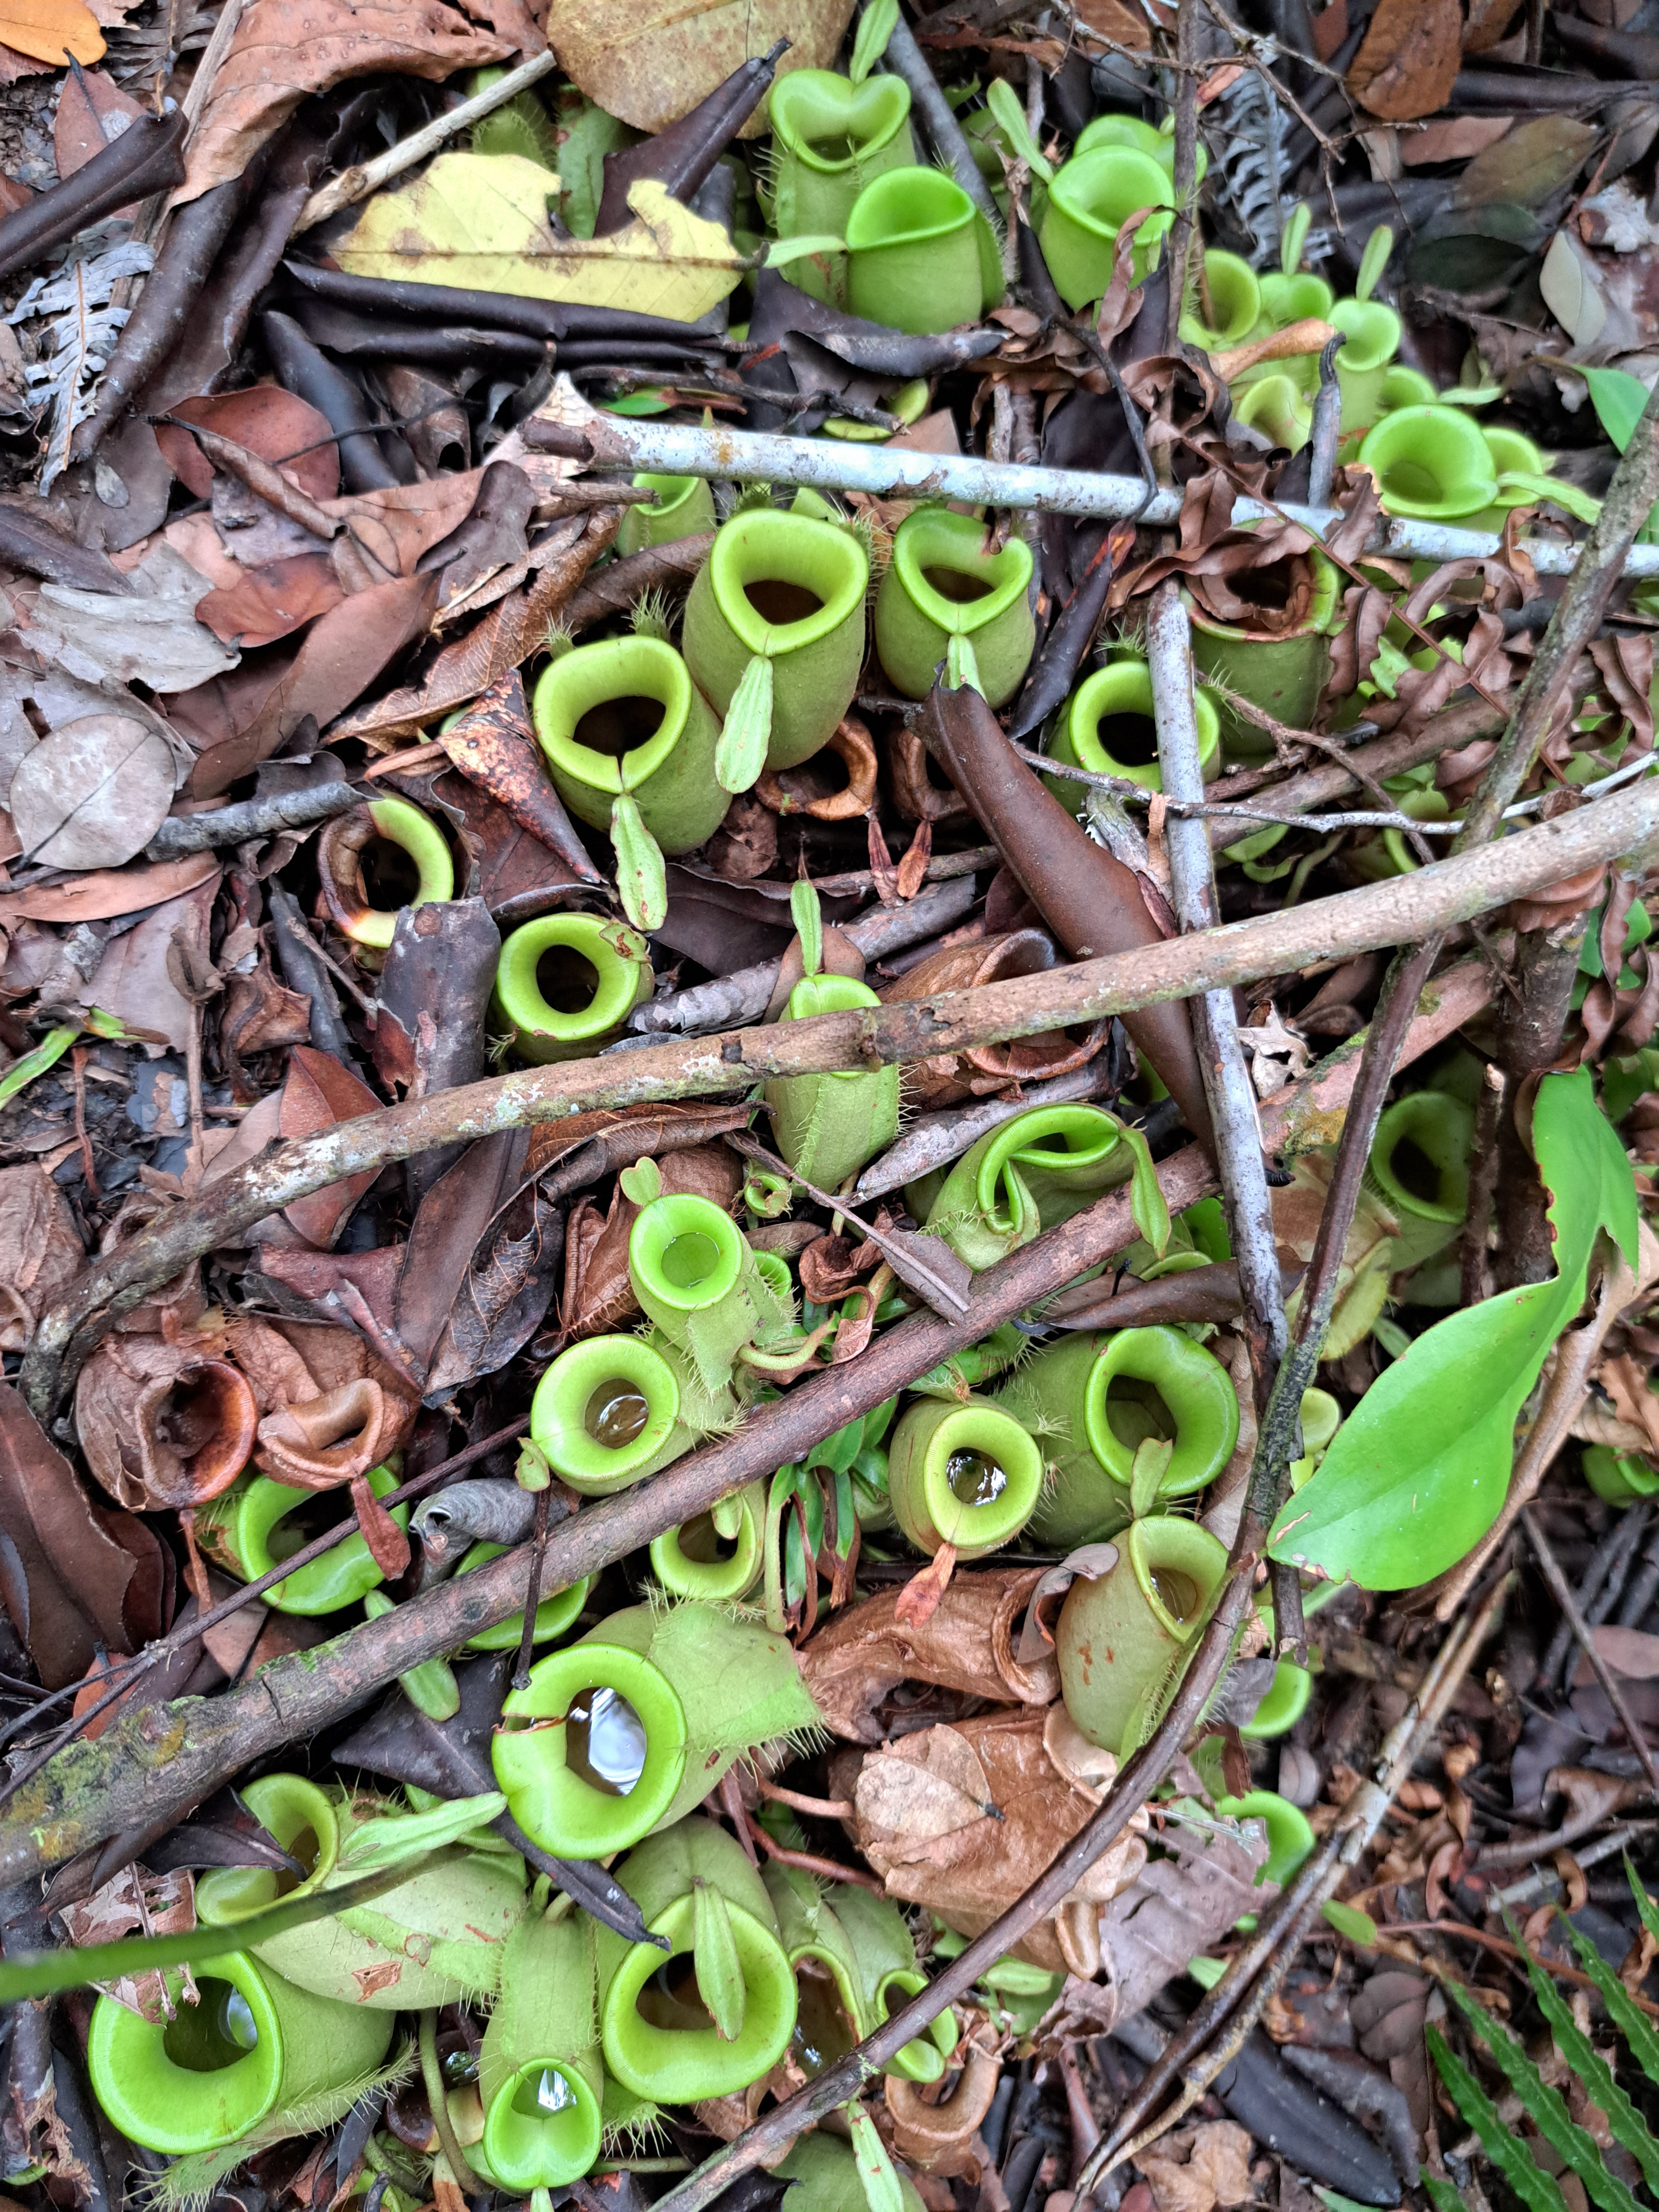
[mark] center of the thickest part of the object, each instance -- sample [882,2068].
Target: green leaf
[397,1838]
[714,1952]
[1628,2128]
[1628,2018]
[1618,398]
[1151,1463]
[641,1181]
[1003,103]
[1545,2107]
[1350,1921]
[846,1514]
[881,2192]
[1441,2194]
[1373,261]
[1148,1208]
[808,918]
[45,1973]
[1294,237]
[783,250]
[1645,1905]
[962,666]
[727,1514]
[740,752]
[1418,1473]
[641,875]
[1505,2150]
[875,26]
[21,1072]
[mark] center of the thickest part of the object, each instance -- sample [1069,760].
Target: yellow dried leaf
[50,30]
[480,223]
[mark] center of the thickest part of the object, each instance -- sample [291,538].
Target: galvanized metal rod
[828,465]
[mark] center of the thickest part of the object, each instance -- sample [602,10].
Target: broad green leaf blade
[782,251]
[1545,2107]
[740,750]
[1418,1473]
[397,1838]
[1350,1920]
[45,1974]
[1151,1463]
[1629,2128]
[881,2192]
[1630,2020]
[1618,398]
[960,664]
[719,1969]
[1373,261]
[1005,104]
[1441,2194]
[56,1043]
[875,26]
[1506,2151]
[1148,1208]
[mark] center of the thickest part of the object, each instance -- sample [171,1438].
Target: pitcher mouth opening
[783,581]
[609,715]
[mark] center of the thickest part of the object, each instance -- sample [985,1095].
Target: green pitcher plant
[630,742]
[625,1730]
[1090,200]
[1123,1637]
[944,582]
[830,138]
[694,1275]
[854,1961]
[920,258]
[829,1126]
[375,861]
[717,1557]
[1155,140]
[434,1939]
[1223,303]
[605,1412]
[1107,726]
[1281,661]
[825,2176]
[684,508]
[254,1525]
[717,2013]
[774,635]
[565,984]
[556,1616]
[541,2074]
[1039,1169]
[1277,406]
[969,1475]
[1430,463]
[1096,1398]
[250,2045]
[1419,1168]
[1290,294]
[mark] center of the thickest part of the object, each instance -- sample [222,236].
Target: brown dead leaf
[284,49]
[1408,60]
[47,30]
[1488,24]
[40,1251]
[279,426]
[273,600]
[964,1819]
[859,1656]
[319,1092]
[134,1902]
[1178,1906]
[92,112]
[920,1599]
[649,66]
[72,1576]
[1457,139]
[598,1292]
[1199,2168]
[1115,19]
[132,979]
[163,1424]
[1526,164]
[104,893]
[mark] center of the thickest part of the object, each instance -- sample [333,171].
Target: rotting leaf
[319,1092]
[1531,161]
[480,221]
[1408,61]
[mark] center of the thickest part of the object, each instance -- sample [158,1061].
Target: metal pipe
[828,465]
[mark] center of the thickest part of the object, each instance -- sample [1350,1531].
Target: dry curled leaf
[163,1424]
[40,1251]
[859,1656]
[1407,63]
[283,49]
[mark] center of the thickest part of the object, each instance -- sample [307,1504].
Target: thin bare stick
[1561,1591]
[366,177]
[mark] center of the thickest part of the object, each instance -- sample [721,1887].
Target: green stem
[437,2098]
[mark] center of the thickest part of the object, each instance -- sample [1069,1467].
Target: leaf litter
[362,731]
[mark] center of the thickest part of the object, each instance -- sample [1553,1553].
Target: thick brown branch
[1403,910]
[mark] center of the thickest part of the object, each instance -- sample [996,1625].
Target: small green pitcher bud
[540,2074]
[694,1561]
[1038,1170]
[1419,1168]
[629,1727]
[1124,1637]
[696,1276]
[252,2044]
[1117,700]
[684,508]
[965,1474]
[661,2037]
[828,1125]
[890,1977]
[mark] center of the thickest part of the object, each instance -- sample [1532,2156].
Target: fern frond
[1629,2128]
[1632,2023]
[78,339]
[1506,2149]
[1545,2107]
